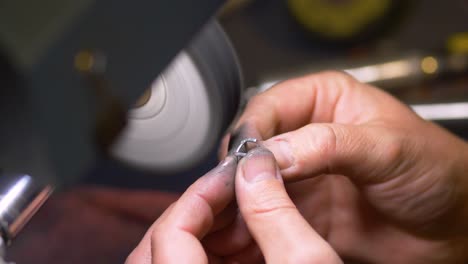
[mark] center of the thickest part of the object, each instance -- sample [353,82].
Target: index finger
[174,238]
[327,97]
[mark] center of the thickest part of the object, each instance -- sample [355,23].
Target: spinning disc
[187,108]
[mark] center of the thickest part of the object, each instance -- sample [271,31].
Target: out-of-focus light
[448,111]
[265,86]
[384,71]
[84,61]
[429,65]
[365,74]
[458,43]
[443,111]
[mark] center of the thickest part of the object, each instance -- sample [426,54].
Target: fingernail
[258,165]
[228,161]
[227,170]
[282,151]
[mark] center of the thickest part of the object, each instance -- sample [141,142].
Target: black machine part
[68,67]
[70,70]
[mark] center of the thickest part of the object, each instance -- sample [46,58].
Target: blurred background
[416,50]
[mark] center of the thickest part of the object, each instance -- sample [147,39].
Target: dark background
[91,226]
[270,42]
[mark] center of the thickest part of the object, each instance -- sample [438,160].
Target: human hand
[405,194]
[278,228]
[203,208]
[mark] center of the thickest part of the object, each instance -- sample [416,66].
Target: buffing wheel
[190,105]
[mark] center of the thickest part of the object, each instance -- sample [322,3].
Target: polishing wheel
[182,116]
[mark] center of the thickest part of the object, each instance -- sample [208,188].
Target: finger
[235,237]
[142,253]
[363,153]
[280,231]
[319,98]
[178,231]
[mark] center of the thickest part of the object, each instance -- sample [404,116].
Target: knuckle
[394,148]
[337,80]
[394,144]
[334,74]
[322,139]
[327,136]
[272,207]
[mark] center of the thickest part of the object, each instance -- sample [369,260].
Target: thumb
[280,231]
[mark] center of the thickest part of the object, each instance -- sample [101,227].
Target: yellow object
[429,65]
[458,43]
[84,61]
[337,19]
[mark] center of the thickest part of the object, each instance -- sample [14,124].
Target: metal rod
[21,197]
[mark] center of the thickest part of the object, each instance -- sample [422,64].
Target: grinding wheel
[181,118]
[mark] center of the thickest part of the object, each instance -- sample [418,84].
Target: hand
[405,192]
[281,232]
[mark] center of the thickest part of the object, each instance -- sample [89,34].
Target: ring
[241,150]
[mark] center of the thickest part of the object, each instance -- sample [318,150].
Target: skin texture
[354,170]
[378,182]
[178,231]
[205,208]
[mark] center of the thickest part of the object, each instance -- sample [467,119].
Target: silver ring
[241,150]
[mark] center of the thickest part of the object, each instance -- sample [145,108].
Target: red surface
[89,225]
